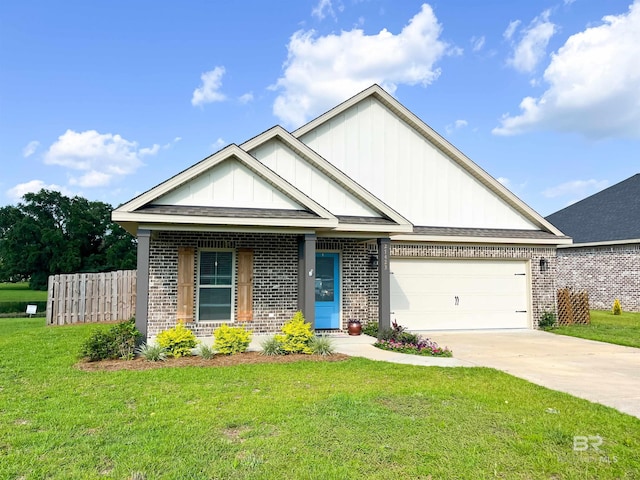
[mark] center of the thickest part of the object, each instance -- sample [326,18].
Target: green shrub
[119,341]
[152,352]
[230,340]
[271,346]
[205,351]
[126,336]
[178,341]
[296,335]
[547,320]
[321,345]
[406,337]
[371,329]
[617,308]
[99,346]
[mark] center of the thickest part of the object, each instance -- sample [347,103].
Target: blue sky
[108,99]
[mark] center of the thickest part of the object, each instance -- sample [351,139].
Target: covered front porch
[259,280]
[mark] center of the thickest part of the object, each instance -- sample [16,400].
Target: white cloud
[91,179]
[322,9]
[477,43]
[322,71]
[219,143]
[168,145]
[594,84]
[209,92]
[458,124]
[100,157]
[504,181]
[149,150]
[246,98]
[30,148]
[531,48]
[511,29]
[576,188]
[33,186]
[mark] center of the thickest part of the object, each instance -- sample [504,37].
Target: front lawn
[328,420]
[606,327]
[19,292]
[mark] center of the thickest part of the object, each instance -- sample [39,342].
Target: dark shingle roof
[365,220]
[484,232]
[609,215]
[225,212]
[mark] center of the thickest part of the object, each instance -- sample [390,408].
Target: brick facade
[275,275]
[275,278]
[543,284]
[606,273]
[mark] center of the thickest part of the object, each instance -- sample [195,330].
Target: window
[215,285]
[324,279]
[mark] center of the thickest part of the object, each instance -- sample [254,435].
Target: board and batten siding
[402,168]
[229,184]
[307,178]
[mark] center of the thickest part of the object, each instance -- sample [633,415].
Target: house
[604,259]
[363,213]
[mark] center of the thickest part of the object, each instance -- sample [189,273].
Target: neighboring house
[604,259]
[363,213]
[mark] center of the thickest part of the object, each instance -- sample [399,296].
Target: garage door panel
[462,283]
[459,294]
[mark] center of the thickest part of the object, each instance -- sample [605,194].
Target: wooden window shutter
[245,285]
[186,269]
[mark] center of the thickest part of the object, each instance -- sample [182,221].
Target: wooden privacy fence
[91,297]
[573,307]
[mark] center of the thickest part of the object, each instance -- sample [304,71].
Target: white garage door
[459,294]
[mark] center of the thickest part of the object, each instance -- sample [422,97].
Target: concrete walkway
[598,372]
[362,346]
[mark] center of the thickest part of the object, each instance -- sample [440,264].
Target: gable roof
[200,198]
[612,215]
[139,210]
[440,143]
[156,206]
[335,174]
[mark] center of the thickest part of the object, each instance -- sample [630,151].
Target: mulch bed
[195,361]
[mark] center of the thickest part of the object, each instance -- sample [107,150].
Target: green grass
[336,420]
[606,327]
[19,292]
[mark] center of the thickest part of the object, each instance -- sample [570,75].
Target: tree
[49,233]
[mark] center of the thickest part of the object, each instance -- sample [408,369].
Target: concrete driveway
[596,371]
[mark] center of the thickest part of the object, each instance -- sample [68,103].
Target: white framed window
[216,272]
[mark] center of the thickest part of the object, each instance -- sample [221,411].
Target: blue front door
[327,290]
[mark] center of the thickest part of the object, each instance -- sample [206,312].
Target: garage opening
[461,294]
